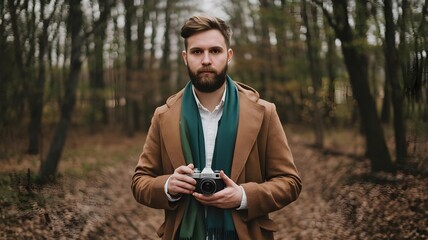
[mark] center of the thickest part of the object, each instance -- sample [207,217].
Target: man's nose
[206,60]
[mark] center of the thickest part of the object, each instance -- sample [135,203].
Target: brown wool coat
[262,165]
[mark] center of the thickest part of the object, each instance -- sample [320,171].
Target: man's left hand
[229,197]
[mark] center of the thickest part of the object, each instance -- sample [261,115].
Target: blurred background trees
[328,64]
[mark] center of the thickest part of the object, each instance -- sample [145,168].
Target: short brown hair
[198,24]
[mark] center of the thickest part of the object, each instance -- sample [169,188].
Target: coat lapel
[250,120]
[170,131]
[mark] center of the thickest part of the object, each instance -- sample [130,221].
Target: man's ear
[229,55]
[184,56]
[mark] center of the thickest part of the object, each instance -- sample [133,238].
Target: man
[220,124]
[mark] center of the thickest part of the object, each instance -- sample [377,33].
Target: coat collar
[250,119]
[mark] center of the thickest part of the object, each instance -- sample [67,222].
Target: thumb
[227,181]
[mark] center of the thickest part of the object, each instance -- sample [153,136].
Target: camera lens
[208,186]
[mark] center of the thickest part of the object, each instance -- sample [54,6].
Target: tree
[49,166]
[314,48]
[353,41]
[97,84]
[331,68]
[24,44]
[130,122]
[385,114]
[11,91]
[37,90]
[165,63]
[266,70]
[412,50]
[392,63]
[141,63]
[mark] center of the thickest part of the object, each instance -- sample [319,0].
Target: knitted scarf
[218,222]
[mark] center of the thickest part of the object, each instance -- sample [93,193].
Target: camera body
[208,181]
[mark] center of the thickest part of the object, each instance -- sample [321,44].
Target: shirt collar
[200,106]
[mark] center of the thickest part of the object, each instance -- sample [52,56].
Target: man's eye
[216,51]
[196,52]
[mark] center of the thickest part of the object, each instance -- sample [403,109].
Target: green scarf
[218,224]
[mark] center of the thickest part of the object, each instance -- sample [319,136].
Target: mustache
[206,69]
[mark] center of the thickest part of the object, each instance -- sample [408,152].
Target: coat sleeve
[281,183]
[149,178]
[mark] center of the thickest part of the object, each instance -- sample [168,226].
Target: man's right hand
[180,183]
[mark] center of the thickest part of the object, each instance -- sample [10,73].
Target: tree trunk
[331,73]
[265,51]
[49,166]
[391,59]
[280,23]
[385,114]
[18,47]
[315,67]
[141,35]
[36,102]
[165,64]
[357,66]
[98,112]
[130,122]
[141,65]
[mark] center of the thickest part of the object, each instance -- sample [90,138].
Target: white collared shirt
[210,126]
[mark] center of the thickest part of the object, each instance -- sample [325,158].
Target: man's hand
[229,197]
[180,183]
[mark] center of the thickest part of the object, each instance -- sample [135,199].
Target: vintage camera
[208,181]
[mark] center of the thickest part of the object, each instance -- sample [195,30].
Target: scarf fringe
[217,234]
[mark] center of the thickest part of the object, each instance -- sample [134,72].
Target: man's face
[207,58]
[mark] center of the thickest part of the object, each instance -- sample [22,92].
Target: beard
[206,79]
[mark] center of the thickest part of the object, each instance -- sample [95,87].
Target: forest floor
[92,198]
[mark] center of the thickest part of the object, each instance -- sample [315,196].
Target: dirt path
[101,206]
[308,218]
[115,212]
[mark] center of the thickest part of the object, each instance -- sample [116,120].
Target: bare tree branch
[326,13]
[423,20]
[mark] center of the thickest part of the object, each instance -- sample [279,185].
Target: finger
[184,170]
[227,181]
[225,200]
[182,187]
[207,198]
[183,178]
[191,166]
[200,198]
[179,186]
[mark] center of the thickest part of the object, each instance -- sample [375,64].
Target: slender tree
[49,166]
[392,63]
[385,114]
[314,47]
[130,123]
[37,90]
[166,52]
[357,65]
[97,84]
[331,67]
[266,70]
[142,65]
[22,23]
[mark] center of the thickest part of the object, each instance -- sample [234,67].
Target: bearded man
[216,157]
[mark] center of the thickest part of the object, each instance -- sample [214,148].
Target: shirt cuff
[243,200]
[170,198]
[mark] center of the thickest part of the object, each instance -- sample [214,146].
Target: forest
[80,80]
